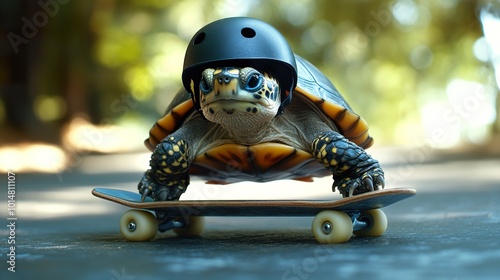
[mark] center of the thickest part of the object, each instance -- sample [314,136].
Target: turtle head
[238,96]
[239,42]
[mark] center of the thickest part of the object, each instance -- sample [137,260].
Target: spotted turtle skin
[182,149]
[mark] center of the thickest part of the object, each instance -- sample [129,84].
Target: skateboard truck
[170,224]
[356,223]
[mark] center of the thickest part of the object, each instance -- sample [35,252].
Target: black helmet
[240,42]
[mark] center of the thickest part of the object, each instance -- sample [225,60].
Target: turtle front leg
[354,171]
[168,177]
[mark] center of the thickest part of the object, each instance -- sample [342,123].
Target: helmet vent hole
[248,32]
[199,38]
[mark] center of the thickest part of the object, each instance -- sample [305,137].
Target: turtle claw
[145,193]
[158,190]
[146,186]
[352,188]
[379,182]
[367,182]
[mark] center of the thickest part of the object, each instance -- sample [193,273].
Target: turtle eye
[206,81]
[254,82]
[204,87]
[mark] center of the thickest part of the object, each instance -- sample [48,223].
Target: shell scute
[317,88]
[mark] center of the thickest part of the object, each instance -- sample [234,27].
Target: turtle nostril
[224,78]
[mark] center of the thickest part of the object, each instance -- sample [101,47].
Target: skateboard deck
[335,220]
[372,200]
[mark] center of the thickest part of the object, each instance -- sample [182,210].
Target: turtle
[235,120]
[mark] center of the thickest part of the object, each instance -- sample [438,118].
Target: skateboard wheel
[194,226]
[377,223]
[332,227]
[138,225]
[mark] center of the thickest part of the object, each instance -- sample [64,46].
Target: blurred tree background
[95,75]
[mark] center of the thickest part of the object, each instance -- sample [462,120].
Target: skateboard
[334,220]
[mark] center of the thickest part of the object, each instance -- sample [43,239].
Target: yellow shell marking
[262,162]
[168,124]
[351,125]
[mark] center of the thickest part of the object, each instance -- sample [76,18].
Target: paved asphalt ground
[449,230]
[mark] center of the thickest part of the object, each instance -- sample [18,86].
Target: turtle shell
[267,161]
[318,88]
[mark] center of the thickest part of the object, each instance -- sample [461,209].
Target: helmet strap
[285,101]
